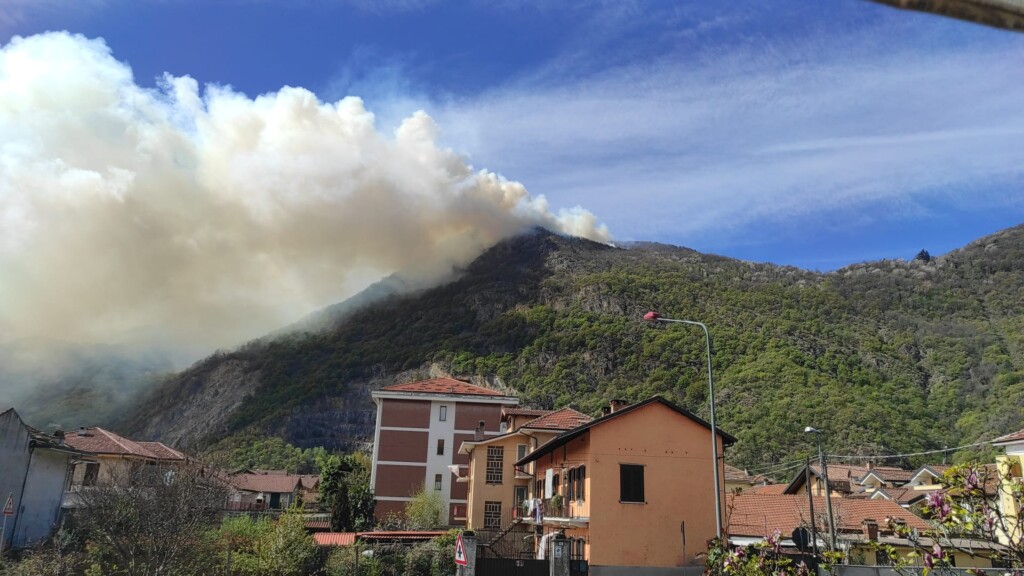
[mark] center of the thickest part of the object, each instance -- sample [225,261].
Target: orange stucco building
[497,490]
[634,488]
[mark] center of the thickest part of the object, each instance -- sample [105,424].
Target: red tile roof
[268,483]
[767,489]
[1012,437]
[762,514]
[564,419]
[904,495]
[734,474]
[851,473]
[318,524]
[162,450]
[334,538]
[99,441]
[443,386]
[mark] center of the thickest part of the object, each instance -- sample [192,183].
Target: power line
[925,453]
[777,467]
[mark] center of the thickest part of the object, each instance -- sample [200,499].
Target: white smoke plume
[209,217]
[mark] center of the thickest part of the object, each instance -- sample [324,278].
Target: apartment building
[419,428]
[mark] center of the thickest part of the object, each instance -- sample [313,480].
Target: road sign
[460,552]
[9,506]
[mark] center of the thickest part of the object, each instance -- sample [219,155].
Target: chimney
[606,410]
[617,405]
[870,529]
[871,465]
[58,433]
[478,433]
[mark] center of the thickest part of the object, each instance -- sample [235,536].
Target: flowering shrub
[761,559]
[965,513]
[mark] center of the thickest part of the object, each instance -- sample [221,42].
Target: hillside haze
[888,357]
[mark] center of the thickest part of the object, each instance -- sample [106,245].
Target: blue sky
[816,134]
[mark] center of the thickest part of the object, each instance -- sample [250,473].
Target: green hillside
[888,357]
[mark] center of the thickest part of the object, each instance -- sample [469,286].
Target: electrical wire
[925,453]
[776,468]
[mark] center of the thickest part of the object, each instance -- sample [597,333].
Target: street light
[828,489]
[655,317]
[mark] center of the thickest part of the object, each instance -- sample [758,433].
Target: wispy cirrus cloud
[686,145]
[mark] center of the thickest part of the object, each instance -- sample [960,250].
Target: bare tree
[150,520]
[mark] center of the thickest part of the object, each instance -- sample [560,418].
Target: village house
[256,490]
[861,525]
[1010,467]
[846,479]
[35,468]
[419,428]
[737,480]
[498,491]
[633,489]
[114,459]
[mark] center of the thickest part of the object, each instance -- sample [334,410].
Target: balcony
[459,512]
[522,474]
[564,513]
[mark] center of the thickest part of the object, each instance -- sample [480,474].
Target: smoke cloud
[208,217]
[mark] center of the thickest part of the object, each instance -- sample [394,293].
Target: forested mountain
[890,356]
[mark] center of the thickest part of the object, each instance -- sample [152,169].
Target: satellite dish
[802,538]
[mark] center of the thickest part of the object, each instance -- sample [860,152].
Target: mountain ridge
[891,355]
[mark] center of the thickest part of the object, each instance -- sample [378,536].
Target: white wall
[437,463]
[39,508]
[14,459]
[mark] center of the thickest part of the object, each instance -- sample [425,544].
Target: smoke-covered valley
[180,219]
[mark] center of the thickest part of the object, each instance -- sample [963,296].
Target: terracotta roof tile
[851,473]
[334,538]
[734,474]
[269,483]
[762,514]
[1012,437]
[767,489]
[99,441]
[564,419]
[163,451]
[443,386]
[905,495]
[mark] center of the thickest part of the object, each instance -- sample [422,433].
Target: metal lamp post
[828,490]
[655,317]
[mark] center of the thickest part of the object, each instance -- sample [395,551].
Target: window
[440,446]
[92,474]
[581,477]
[570,485]
[520,496]
[580,549]
[442,413]
[492,515]
[495,464]
[631,483]
[554,484]
[521,451]
[437,482]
